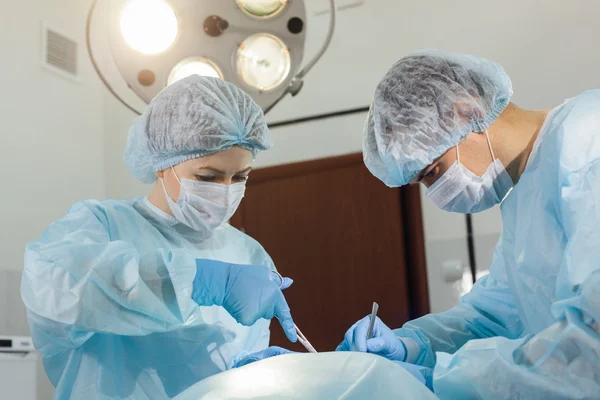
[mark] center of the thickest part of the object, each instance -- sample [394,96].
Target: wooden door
[342,236]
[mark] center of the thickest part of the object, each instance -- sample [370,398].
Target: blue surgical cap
[192,118]
[427,103]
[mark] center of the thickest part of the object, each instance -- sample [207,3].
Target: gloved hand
[247,292]
[423,374]
[269,352]
[384,342]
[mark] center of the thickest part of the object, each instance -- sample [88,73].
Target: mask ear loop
[162,182]
[176,177]
[490,145]
[457,155]
[181,189]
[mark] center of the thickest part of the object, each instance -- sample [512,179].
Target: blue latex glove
[269,352]
[247,292]
[384,342]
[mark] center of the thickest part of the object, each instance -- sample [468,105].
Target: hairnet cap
[426,104]
[191,118]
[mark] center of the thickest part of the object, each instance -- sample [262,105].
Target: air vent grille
[60,53]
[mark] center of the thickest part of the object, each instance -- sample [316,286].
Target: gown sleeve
[563,360]
[77,282]
[488,310]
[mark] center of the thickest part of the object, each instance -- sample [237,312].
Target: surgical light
[258,45]
[148,26]
[263,62]
[262,8]
[194,66]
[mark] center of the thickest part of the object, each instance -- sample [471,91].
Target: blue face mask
[461,191]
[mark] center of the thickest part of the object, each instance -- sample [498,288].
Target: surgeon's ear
[160,174]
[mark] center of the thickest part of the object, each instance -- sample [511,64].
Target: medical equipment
[382,341]
[153,43]
[204,206]
[247,292]
[426,104]
[372,323]
[16,344]
[304,341]
[18,368]
[301,338]
[194,117]
[461,191]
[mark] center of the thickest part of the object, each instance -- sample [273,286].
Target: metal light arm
[88,42]
[296,84]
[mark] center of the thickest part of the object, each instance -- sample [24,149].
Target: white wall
[542,44]
[51,144]
[51,139]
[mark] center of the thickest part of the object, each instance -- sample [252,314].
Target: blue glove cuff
[428,375]
[405,350]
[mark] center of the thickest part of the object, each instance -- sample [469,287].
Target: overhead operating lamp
[258,45]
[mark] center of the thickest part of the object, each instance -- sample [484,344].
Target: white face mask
[461,191]
[205,206]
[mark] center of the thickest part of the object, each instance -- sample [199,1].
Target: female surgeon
[141,299]
[530,329]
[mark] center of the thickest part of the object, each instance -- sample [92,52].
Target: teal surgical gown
[531,328]
[108,295]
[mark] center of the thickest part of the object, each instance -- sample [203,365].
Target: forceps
[304,341]
[301,338]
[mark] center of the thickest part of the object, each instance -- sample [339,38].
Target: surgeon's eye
[205,178]
[240,178]
[431,176]
[433,172]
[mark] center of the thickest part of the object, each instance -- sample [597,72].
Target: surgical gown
[530,329]
[108,295]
